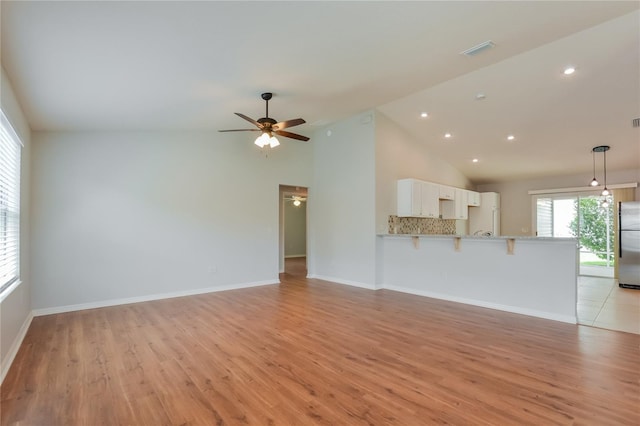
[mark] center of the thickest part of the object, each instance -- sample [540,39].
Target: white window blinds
[10,150]
[544,217]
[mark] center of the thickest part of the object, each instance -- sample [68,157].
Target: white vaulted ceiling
[189,65]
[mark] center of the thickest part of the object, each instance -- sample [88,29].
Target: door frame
[283,192]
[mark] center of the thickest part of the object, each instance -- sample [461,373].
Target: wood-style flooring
[309,352]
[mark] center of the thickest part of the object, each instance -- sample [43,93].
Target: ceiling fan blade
[288,123]
[291,135]
[240,130]
[249,119]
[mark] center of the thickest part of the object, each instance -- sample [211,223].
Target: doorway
[600,302]
[585,217]
[293,230]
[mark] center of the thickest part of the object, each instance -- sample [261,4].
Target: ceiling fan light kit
[265,139]
[270,127]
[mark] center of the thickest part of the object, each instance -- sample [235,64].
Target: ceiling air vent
[479,48]
[635,122]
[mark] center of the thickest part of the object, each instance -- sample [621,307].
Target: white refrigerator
[485,219]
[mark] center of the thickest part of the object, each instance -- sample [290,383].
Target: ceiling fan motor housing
[265,120]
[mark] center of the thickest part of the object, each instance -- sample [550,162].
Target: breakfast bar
[533,276]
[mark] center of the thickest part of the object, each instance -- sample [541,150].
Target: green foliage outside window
[593,228]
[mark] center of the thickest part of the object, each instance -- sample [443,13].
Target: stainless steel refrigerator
[629,244]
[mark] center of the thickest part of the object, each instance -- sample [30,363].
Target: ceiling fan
[268,126]
[296,199]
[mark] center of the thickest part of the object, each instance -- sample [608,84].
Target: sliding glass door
[585,217]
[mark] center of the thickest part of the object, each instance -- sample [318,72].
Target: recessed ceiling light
[569,70]
[511,137]
[480,96]
[475,160]
[447,135]
[424,115]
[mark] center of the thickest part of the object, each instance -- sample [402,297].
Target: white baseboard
[345,282]
[15,346]
[125,301]
[513,309]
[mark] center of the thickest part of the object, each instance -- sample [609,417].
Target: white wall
[400,156]
[516,207]
[342,202]
[15,308]
[132,215]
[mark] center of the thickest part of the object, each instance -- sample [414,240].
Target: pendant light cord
[605,169]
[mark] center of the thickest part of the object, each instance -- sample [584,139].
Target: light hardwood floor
[312,352]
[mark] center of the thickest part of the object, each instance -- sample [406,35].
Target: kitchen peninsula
[527,275]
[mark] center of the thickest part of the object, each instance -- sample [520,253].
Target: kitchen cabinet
[446,192]
[417,199]
[457,208]
[409,201]
[473,198]
[430,200]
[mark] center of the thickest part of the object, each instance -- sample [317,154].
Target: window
[10,150]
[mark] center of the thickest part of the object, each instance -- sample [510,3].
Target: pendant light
[594,182]
[605,191]
[603,149]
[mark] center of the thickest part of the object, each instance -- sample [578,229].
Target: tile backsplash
[421,225]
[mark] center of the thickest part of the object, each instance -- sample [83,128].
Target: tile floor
[602,303]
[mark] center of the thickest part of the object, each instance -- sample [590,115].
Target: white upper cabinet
[409,198]
[447,192]
[473,198]
[417,199]
[458,208]
[430,201]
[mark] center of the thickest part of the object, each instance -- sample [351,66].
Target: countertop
[479,237]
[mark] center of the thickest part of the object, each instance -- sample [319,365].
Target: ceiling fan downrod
[267,96]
